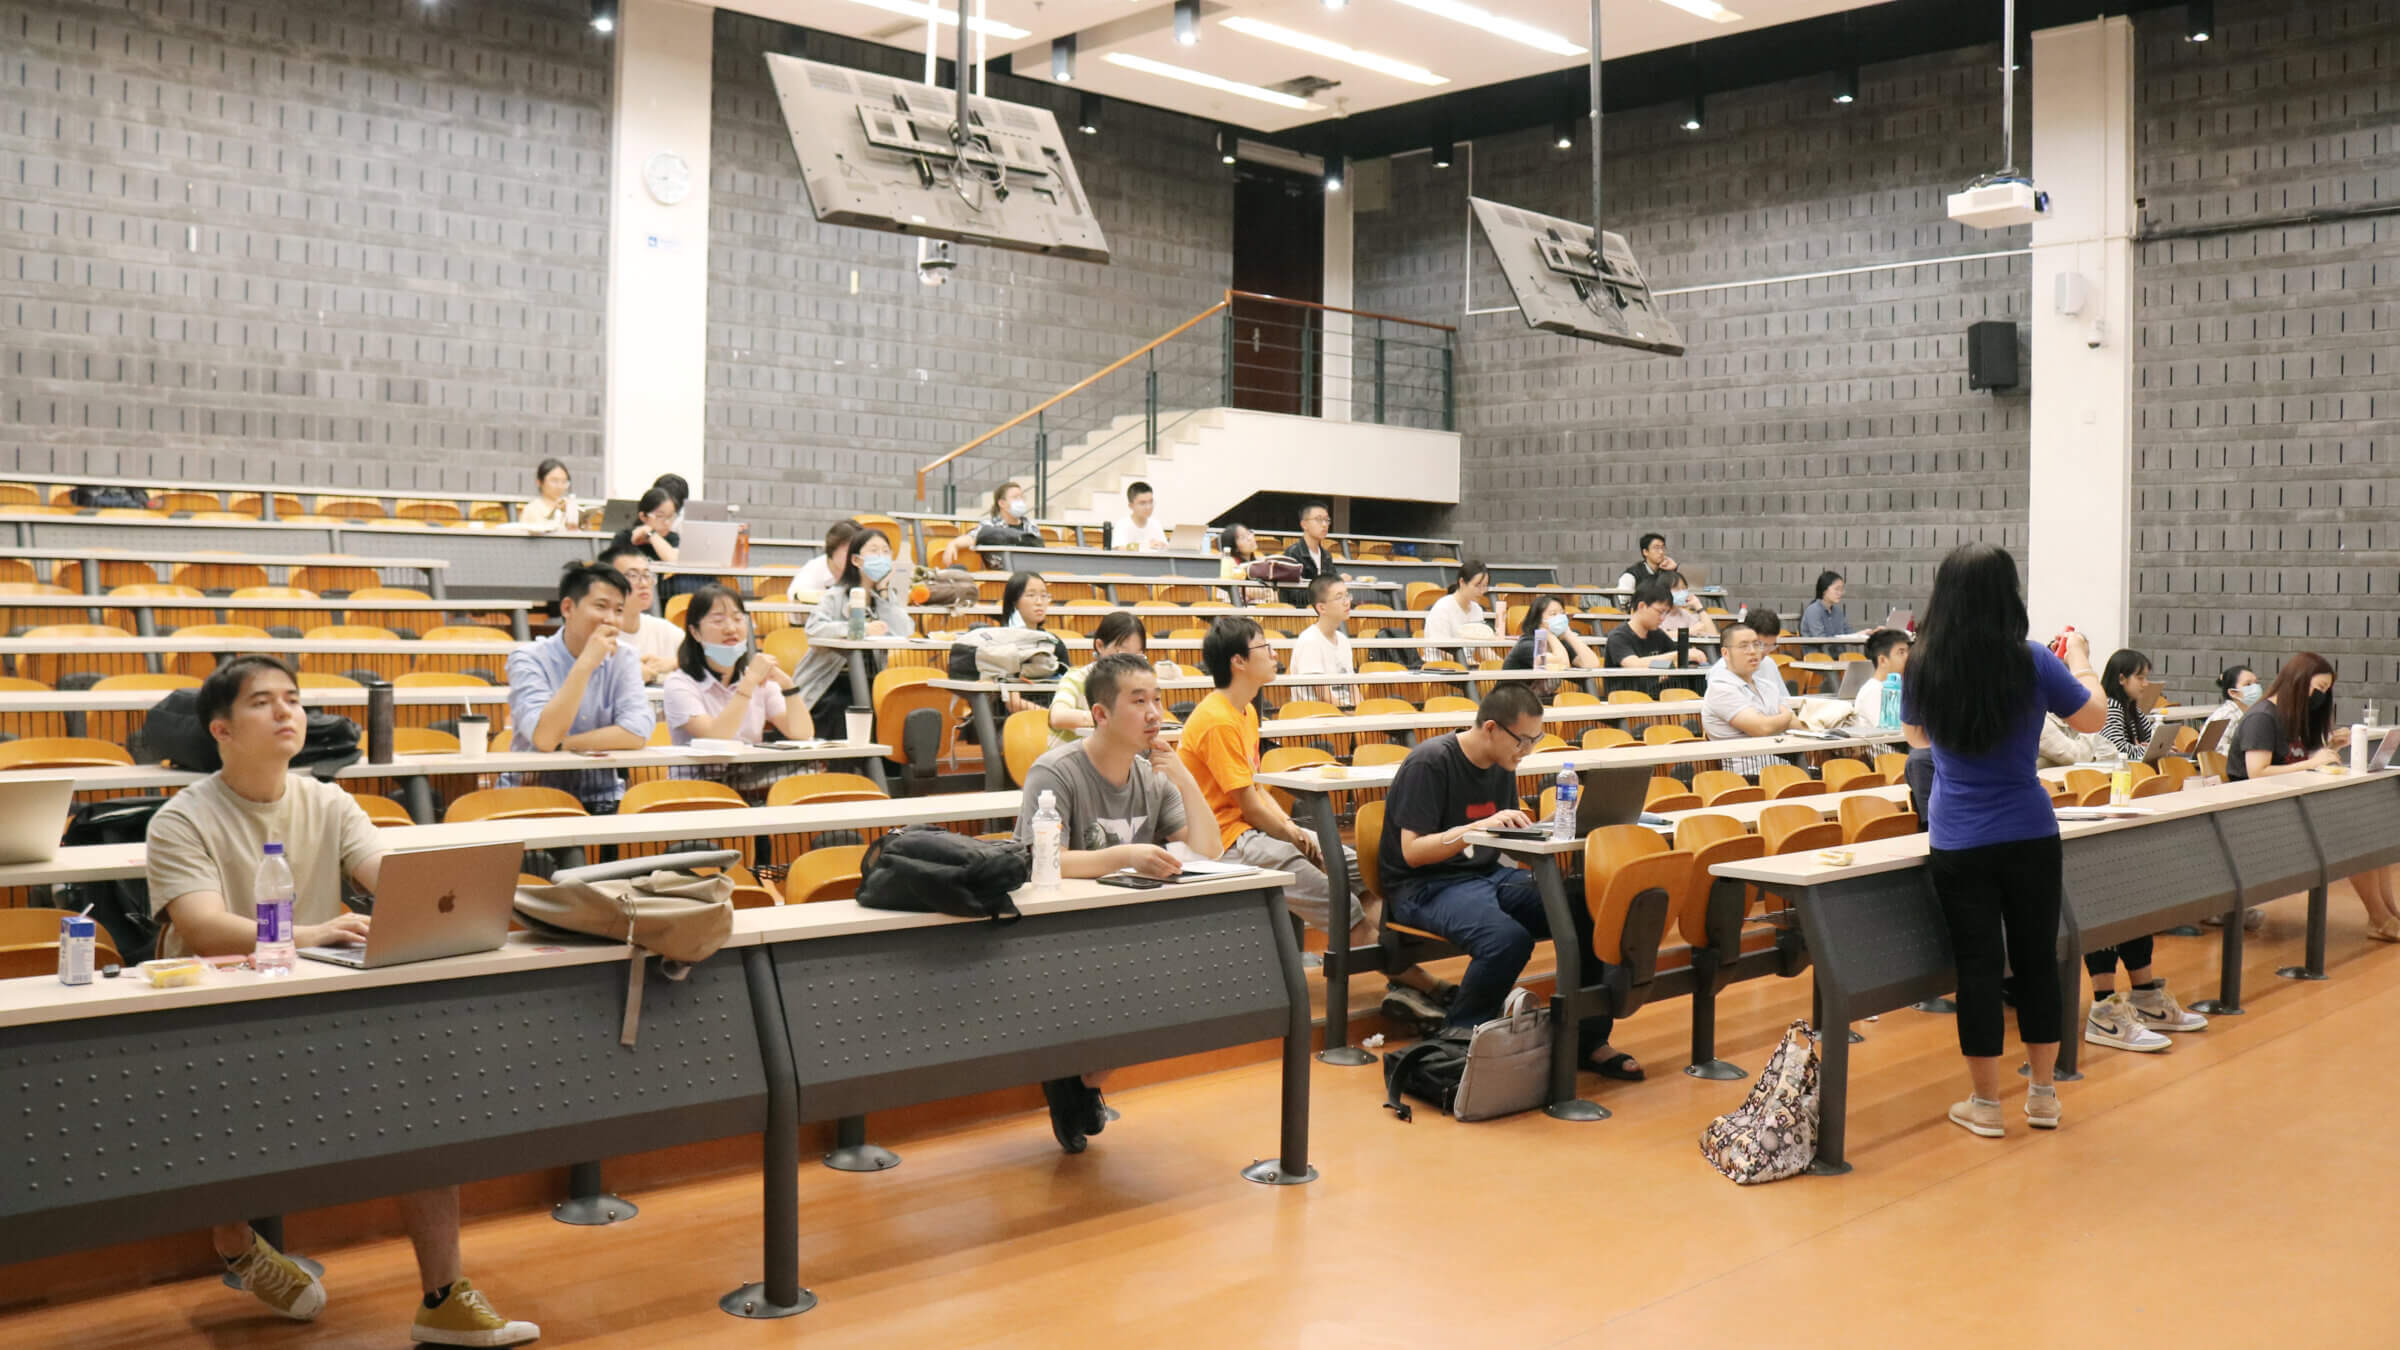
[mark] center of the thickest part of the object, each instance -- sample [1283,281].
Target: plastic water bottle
[2120,781]
[276,892]
[1562,819]
[1046,830]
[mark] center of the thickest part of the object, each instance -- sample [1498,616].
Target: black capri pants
[2001,901]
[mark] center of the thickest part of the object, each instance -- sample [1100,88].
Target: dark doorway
[1278,250]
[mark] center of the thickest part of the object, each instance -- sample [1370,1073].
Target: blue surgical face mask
[1557,623]
[876,568]
[2248,694]
[1682,598]
[723,653]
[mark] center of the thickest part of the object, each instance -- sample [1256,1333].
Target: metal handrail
[1070,391]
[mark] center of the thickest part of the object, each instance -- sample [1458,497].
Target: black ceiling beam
[1754,57]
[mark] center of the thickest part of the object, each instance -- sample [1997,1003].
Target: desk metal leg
[852,1152]
[588,1203]
[1291,1167]
[1566,1004]
[987,737]
[2315,957]
[2228,1002]
[1318,809]
[419,791]
[1833,1091]
[779,1294]
[272,1230]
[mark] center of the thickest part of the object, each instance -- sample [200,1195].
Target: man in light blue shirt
[580,689]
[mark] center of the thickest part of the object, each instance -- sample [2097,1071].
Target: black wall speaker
[1992,355]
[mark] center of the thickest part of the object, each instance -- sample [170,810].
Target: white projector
[1998,205]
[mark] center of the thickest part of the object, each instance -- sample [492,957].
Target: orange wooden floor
[2233,1193]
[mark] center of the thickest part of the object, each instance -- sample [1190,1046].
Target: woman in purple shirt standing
[1975,696]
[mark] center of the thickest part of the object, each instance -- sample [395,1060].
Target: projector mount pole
[1595,123]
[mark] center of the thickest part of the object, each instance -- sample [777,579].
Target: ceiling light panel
[1207,81]
[1331,50]
[1457,11]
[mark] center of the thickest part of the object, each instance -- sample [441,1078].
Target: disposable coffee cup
[474,735]
[862,725]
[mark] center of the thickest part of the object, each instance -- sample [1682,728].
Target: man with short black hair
[1738,704]
[1138,530]
[1123,796]
[579,688]
[656,641]
[1323,648]
[1220,747]
[204,851]
[1643,641]
[1653,562]
[1450,787]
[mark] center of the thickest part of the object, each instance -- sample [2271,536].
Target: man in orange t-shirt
[1220,747]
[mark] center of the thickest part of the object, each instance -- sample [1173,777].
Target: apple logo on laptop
[448,902]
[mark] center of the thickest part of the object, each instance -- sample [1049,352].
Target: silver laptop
[1854,680]
[33,814]
[435,903]
[1188,539]
[706,543]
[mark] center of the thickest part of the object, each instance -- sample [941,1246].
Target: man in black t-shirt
[1432,879]
[1642,641]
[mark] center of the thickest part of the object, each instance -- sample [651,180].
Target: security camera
[936,260]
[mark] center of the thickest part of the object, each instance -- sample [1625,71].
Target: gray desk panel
[1879,939]
[127,1126]
[2273,855]
[891,1019]
[2357,828]
[2128,883]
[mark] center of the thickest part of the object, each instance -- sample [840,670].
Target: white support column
[2079,512]
[1335,384]
[656,400]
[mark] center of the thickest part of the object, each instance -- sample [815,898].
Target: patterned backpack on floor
[1773,1133]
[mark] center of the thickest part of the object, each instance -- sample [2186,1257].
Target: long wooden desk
[243,1095]
[1313,792]
[1876,934]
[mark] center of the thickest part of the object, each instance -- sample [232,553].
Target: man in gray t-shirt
[1122,795]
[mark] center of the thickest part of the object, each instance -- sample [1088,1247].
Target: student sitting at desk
[1547,640]
[205,847]
[1220,747]
[1323,648]
[580,688]
[1122,795]
[723,689]
[1446,789]
[1738,704]
[654,640]
[2115,1020]
[553,507]
[1825,617]
[822,682]
[2292,730]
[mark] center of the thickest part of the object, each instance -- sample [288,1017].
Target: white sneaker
[2160,1012]
[2115,1023]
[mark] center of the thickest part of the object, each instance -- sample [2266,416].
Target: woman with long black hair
[1975,696]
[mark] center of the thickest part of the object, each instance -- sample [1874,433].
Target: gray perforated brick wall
[1813,424]
[2267,434]
[345,241]
[833,374]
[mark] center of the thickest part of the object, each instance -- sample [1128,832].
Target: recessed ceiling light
[1456,11]
[1332,51]
[1706,9]
[921,12]
[1207,81]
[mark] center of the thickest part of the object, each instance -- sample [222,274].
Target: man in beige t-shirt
[204,852]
